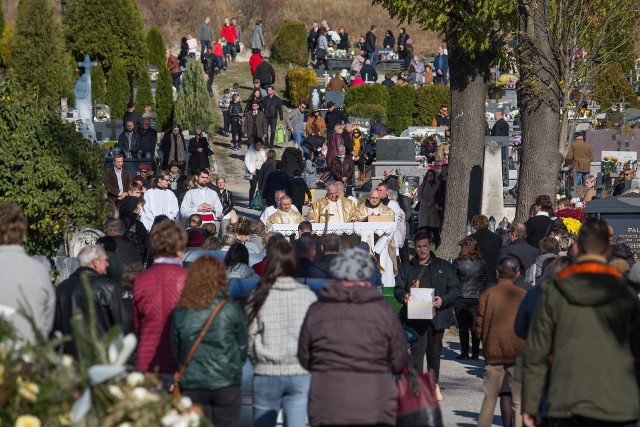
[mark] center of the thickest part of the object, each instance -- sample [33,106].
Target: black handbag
[316,141]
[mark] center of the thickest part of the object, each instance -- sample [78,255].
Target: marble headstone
[492,186]
[396,149]
[84,237]
[83,100]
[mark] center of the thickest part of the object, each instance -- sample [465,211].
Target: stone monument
[492,185]
[83,100]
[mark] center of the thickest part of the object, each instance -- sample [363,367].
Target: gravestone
[86,236]
[336,96]
[83,102]
[315,97]
[492,186]
[396,149]
[622,213]
[503,142]
[363,123]
[108,130]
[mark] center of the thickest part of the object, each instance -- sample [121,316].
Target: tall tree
[193,106]
[118,90]
[108,30]
[98,84]
[164,100]
[6,43]
[144,96]
[475,33]
[562,46]
[39,58]
[55,174]
[156,48]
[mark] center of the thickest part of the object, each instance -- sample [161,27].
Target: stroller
[314,145]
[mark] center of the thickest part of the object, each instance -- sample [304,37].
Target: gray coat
[26,283]
[257,40]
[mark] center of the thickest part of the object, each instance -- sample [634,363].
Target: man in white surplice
[202,200]
[159,201]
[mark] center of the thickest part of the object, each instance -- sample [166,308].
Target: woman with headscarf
[173,147]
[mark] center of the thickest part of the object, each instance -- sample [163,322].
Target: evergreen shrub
[97,85]
[156,48]
[164,100]
[298,82]
[401,108]
[367,94]
[366,110]
[193,106]
[290,44]
[428,100]
[118,90]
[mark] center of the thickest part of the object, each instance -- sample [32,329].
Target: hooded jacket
[587,322]
[352,342]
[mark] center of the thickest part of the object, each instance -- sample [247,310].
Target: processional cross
[326,216]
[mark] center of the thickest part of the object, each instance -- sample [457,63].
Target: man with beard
[202,200]
[159,201]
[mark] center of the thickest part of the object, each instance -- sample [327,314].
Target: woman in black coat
[389,41]
[173,147]
[198,147]
[472,274]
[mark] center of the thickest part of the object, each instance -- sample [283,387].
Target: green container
[388,296]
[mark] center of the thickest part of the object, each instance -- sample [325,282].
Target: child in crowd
[217,51]
[235,117]
[210,229]
[195,221]
[309,175]
[224,104]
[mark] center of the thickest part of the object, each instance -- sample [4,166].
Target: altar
[365,230]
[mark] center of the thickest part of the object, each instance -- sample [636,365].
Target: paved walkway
[460,381]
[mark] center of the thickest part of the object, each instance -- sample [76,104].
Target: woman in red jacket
[228,32]
[173,65]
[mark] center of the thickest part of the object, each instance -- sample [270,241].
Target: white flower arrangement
[333,37]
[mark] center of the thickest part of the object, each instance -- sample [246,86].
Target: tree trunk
[540,94]
[464,185]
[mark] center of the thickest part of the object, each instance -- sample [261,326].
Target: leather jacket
[226,198]
[472,275]
[70,297]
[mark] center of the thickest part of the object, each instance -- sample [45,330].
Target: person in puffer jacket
[549,248]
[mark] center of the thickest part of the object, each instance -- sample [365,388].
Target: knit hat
[129,204]
[352,264]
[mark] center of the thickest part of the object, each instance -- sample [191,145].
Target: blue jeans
[580,177]
[298,138]
[373,58]
[203,46]
[270,393]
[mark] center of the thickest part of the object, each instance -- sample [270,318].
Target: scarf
[176,146]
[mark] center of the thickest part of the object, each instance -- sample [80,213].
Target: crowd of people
[554,315]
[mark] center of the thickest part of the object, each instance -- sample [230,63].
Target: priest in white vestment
[202,200]
[159,201]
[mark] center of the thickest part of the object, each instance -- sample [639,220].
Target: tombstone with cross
[83,100]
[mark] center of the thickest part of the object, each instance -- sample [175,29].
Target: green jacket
[218,361]
[587,325]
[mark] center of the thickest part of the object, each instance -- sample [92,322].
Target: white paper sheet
[420,305]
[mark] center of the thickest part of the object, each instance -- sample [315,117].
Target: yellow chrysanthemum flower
[28,421]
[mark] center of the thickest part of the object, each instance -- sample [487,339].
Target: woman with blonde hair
[212,377]
[588,191]
[443,153]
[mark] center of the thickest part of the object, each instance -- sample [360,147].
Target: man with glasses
[442,119]
[339,208]
[627,175]
[159,200]
[202,200]
[425,270]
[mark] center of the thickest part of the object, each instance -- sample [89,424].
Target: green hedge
[428,101]
[298,82]
[367,111]
[401,108]
[118,90]
[290,44]
[367,94]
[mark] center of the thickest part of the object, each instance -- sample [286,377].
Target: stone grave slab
[492,181]
[336,96]
[396,149]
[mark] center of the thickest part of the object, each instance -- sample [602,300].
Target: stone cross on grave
[83,100]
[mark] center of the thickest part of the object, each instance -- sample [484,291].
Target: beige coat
[580,155]
[428,213]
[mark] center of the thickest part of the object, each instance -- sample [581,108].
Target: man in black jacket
[306,252]
[127,253]
[539,226]
[148,138]
[370,45]
[428,271]
[489,243]
[272,110]
[265,73]
[105,293]
[210,63]
[368,72]
[334,117]
[500,127]
[277,180]
[519,248]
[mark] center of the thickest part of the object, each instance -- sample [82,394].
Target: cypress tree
[155,48]
[6,41]
[164,100]
[108,30]
[1,21]
[193,106]
[97,84]
[118,90]
[40,62]
[144,96]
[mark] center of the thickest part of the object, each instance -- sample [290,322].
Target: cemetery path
[229,163]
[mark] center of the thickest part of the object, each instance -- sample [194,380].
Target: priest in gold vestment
[341,208]
[284,214]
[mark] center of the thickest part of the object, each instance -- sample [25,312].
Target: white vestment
[158,201]
[196,197]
